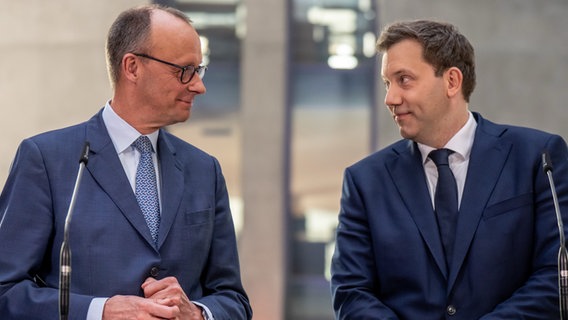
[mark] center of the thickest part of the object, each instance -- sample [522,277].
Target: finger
[152,287]
[159,308]
[132,307]
[148,281]
[161,288]
[165,302]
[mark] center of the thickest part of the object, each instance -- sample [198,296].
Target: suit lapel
[172,183]
[408,175]
[106,169]
[488,148]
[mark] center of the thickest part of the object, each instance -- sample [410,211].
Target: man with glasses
[186,73]
[152,235]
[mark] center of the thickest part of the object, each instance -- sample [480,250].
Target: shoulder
[58,142]
[71,135]
[401,148]
[518,135]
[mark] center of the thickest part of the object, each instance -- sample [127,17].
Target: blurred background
[293,97]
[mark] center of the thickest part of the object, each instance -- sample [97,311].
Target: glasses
[187,72]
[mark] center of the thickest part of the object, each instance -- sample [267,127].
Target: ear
[130,67]
[454,80]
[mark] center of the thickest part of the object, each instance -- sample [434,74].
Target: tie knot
[440,156]
[143,145]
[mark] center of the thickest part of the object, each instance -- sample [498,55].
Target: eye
[404,79]
[386,83]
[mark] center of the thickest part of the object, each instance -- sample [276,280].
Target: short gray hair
[129,33]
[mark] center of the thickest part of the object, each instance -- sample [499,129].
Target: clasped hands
[163,299]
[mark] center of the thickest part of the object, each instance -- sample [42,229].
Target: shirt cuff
[96,309]
[206,313]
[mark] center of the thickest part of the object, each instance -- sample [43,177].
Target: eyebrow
[398,73]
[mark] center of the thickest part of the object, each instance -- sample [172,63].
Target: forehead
[404,55]
[173,36]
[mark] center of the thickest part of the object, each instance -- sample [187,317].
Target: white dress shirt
[461,143]
[122,136]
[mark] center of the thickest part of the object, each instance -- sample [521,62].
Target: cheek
[428,97]
[416,100]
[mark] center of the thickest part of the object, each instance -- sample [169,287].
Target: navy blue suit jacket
[111,246]
[389,261]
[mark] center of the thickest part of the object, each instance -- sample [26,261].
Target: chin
[406,134]
[174,119]
[182,114]
[184,117]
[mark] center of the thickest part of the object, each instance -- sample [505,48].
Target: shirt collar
[121,133]
[461,143]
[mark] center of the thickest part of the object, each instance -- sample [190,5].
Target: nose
[196,85]
[393,97]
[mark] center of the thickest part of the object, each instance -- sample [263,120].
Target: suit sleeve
[223,291]
[27,240]
[353,280]
[538,297]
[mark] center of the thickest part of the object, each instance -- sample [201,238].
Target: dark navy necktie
[146,188]
[445,201]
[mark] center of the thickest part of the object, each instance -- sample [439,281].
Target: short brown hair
[443,47]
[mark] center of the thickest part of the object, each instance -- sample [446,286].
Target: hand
[133,307]
[168,291]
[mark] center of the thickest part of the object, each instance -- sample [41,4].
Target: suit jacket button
[451,310]
[154,271]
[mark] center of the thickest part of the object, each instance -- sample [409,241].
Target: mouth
[187,101]
[400,115]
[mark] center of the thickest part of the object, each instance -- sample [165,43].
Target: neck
[130,112]
[448,129]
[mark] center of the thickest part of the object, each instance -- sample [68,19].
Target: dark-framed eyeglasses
[187,72]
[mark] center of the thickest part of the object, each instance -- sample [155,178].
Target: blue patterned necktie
[146,189]
[445,201]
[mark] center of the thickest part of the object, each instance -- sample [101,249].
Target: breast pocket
[199,217]
[509,205]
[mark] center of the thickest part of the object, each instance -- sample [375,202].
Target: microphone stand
[65,254]
[562,253]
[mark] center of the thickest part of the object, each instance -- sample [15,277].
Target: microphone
[562,254]
[65,254]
